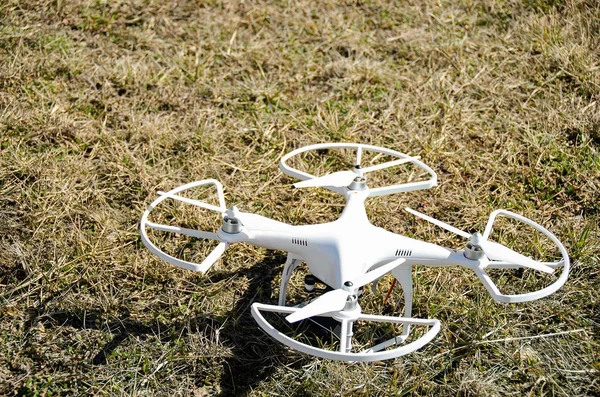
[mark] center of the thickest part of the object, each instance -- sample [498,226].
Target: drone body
[350,252]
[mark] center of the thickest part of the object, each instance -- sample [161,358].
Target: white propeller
[491,249]
[336,300]
[192,201]
[189,232]
[345,178]
[328,302]
[337,179]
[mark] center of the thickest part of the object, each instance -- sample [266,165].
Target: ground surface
[104,102]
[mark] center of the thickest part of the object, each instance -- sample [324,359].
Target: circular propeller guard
[345,353]
[338,181]
[173,194]
[493,289]
[502,257]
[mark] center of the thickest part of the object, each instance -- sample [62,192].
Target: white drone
[350,253]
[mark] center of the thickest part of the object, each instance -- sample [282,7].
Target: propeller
[192,201]
[337,179]
[491,249]
[345,178]
[336,300]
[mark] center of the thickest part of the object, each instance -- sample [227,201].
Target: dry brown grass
[104,102]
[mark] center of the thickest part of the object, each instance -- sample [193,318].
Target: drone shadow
[253,356]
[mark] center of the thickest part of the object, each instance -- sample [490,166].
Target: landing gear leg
[404,276]
[290,265]
[346,336]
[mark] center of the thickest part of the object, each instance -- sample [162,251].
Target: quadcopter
[349,253]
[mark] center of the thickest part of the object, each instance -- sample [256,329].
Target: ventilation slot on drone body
[403,252]
[300,241]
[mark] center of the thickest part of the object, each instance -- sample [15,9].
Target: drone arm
[416,252]
[268,233]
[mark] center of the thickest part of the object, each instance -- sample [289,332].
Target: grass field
[102,103]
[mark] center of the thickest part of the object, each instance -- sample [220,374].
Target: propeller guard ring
[198,267]
[530,296]
[379,191]
[375,353]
